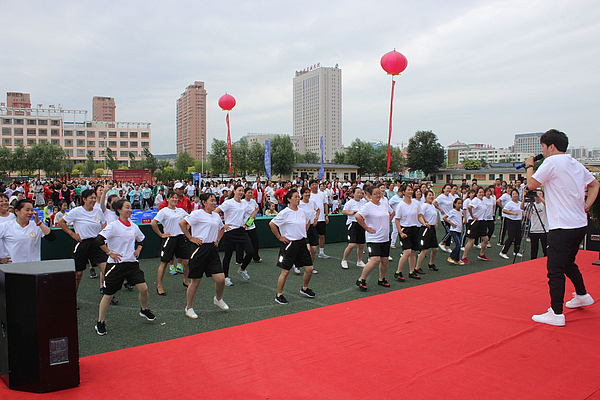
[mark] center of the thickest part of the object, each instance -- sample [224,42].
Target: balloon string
[228,141]
[389,152]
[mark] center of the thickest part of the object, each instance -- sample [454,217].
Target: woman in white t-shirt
[476,211]
[513,212]
[22,236]
[428,218]
[5,216]
[443,203]
[122,242]
[375,218]
[207,231]
[490,210]
[539,225]
[356,233]
[174,243]
[289,227]
[455,219]
[250,211]
[406,220]
[501,202]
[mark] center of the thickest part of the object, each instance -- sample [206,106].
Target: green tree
[339,158]
[424,152]
[471,164]
[19,159]
[282,155]
[218,157]
[360,153]
[52,158]
[162,164]
[256,158]
[150,162]
[109,158]
[6,160]
[379,161]
[183,161]
[310,157]
[90,165]
[239,157]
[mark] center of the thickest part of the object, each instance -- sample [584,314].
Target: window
[80,153]
[124,154]
[92,152]
[101,143]
[6,131]
[112,143]
[132,134]
[42,132]
[133,144]
[135,153]
[91,143]
[102,153]
[145,145]
[69,152]
[18,131]
[123,134]
[102,134]
[7,141]
[491,177]
[68,133]
[112,134]
[122,144]
[55,122]
[43,122]
[7,121]
[91,134]
[80,133]
[512,177]
[31,122]
[18,142]
[43,141]
[80,142]
[145,135]
[30,142]
[31,131]
[68,142]
[18,121]
[54,141]
[55,132]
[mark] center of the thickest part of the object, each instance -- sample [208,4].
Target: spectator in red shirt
[498,189]
[183,203]
[280,193]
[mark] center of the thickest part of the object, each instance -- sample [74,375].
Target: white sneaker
[462,248]
[550,318]
[499,244]
[228,282]
[501,254]
[360,264]
[442,247]
[519,255]
[221,304]
[190,313]
[489,245]
[493,235]
[477,246]
[390,258]
[448,250]
[315,271]
[296,270]
[245,275]
[580,301]
[323,255]
[344,264]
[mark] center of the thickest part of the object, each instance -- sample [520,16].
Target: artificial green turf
[249,301]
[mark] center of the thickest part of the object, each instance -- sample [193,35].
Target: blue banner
[268,158]
[196,178]
[321,171]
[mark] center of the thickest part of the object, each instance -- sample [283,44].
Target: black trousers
[447,240]
[536,238]
[513,228]
[239,251]
[231,240]
[503,228]
[563,245]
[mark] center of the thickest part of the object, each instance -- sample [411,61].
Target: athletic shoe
[281,299]
[190,313]
[173,270]
[462,248]
[245,275]
[360,264]
[550,318]
[307,292]
[221,304]
[344,264]
[323,255]
[477,246]
[489,246]
[362,284]
[93,274]
[493,235]
[383,282]
[390,258]
[483,257]
[448,250]
[296,270]
[501,254]
[499,244]
[100,328]
[228,282]
[414,275]
[433,267]
[451,261]
[399,277]
[315,271]
[459,262]
[518,255]
[179,268]
[580,301]
[128,286]
[114,301]
[419,271]
[147,314]
[238,263]
[442,247]
[465,260]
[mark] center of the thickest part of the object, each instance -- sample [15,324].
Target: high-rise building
[103,109]
[18,100]
[318,109]
[191,121]
[528,143]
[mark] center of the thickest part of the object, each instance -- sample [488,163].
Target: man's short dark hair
[557,138]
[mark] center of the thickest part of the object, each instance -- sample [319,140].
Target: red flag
[389,154]
[229,142]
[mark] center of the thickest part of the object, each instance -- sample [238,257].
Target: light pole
[202,158]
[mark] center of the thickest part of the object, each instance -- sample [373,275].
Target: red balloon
[393,62]
[227,102]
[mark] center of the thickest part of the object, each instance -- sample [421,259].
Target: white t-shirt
[395,200]
[87,224]
[121,239]
[22,244]
[489,207]
[564,180]
[536,226]
[10,217]
[444,203]
[205,226]
[190,190]
[504,200]
[234,213]
[407,214]
[456,218]
[513,207]
[110,216]
[170,220]
[466,203]
[249,207]
[429,212]
[320,200]
[353,205]
[310,209]
[291,224]
[378,218]
[478,208]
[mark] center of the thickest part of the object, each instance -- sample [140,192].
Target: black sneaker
[114,301]
[399,277]
[419,271]
[93,274]
[128,286]
[433,267]
[100,328]
[383,283]
[307,292]
[281,299]
[148,314]
[362,284]
[414,275]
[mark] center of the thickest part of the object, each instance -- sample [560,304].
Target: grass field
[249,301]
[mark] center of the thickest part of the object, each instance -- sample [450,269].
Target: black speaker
[39,348]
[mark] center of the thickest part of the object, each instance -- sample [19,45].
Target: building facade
[103,109]
[528,143]
[73,131]
[297,141]
[191,121]
[318,109]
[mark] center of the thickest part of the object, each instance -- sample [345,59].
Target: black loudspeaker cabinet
[39,348]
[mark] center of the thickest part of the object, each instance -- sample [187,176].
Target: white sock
[321,250]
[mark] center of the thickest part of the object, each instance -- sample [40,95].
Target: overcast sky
[479,71]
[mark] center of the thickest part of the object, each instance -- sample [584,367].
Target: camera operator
[539,224]
[564,180]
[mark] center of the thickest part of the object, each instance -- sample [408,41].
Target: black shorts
[85,250]
[174,246]
[477,229]
[321,228]
[236,236]
[312,236]
[490,227]
[205,261]
[379,249]
[115,275]
[294,253]
[428,238]
[356,233]
[411,241]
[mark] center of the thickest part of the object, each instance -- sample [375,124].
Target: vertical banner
[389,153]
[321,171]
[229,142]
[268,158]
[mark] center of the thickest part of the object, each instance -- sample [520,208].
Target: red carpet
[470,337]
